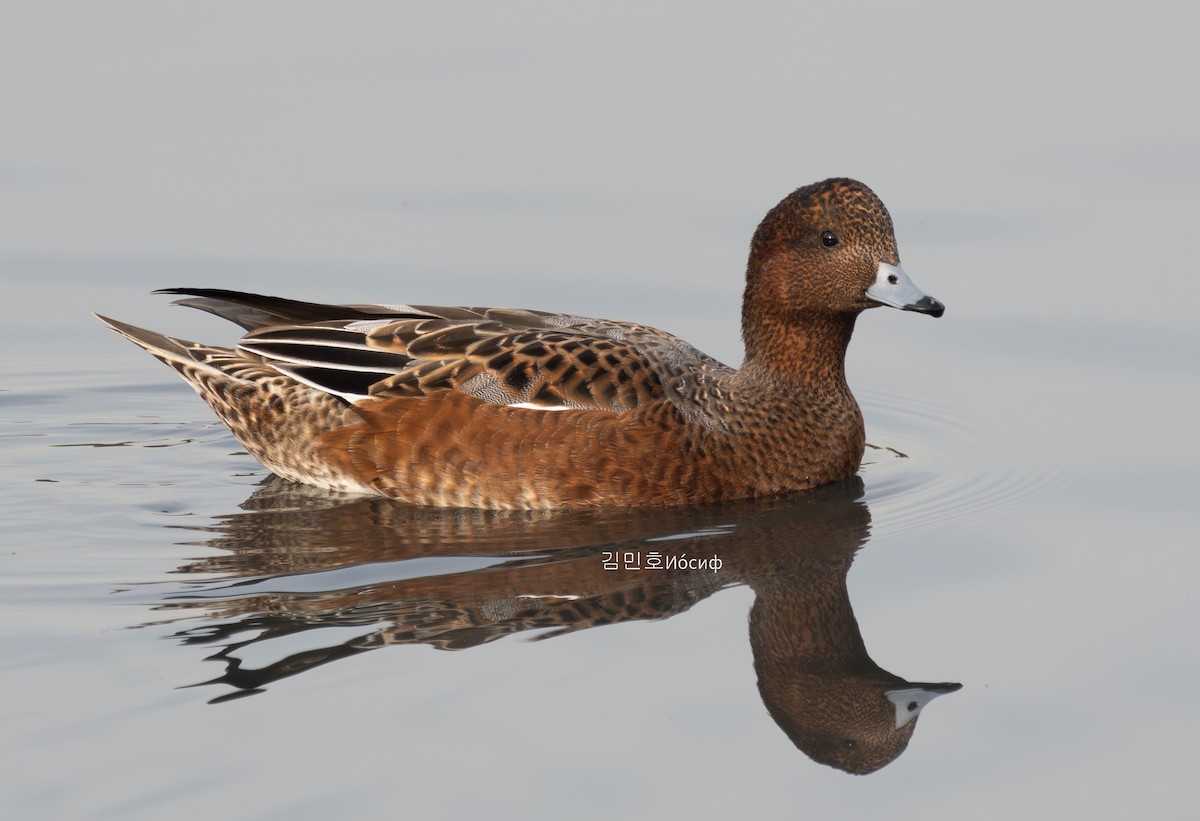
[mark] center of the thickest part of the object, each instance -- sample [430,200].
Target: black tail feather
[252,311]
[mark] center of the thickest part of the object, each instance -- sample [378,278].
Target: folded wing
[505,356]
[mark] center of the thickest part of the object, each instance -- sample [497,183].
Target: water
[183,636]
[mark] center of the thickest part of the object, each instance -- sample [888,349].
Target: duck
[506,408]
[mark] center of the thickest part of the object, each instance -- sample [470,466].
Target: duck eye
[828,239]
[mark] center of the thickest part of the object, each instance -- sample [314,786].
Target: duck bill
[911,699]
[893,288]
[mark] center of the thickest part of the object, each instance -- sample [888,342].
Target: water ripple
[929,465]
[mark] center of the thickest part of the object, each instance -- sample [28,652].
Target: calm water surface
[184,635]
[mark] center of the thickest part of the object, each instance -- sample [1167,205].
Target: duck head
[828,249]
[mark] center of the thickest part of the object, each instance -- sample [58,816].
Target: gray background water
[1040,161]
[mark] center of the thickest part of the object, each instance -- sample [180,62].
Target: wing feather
[507,356]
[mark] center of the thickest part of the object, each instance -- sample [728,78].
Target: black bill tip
[927,305]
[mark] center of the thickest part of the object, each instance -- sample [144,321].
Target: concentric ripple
[928,465]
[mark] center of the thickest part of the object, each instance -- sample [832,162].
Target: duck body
[510,408]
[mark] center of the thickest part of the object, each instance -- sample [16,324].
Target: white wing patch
[535,406]
[368,325]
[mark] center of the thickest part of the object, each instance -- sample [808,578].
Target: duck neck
[801,349]
[808,626]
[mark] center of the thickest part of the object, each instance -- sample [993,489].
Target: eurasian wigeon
[511,408]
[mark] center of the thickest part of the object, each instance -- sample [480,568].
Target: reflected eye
[828,239]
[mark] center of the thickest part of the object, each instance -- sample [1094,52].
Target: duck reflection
[301,559]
